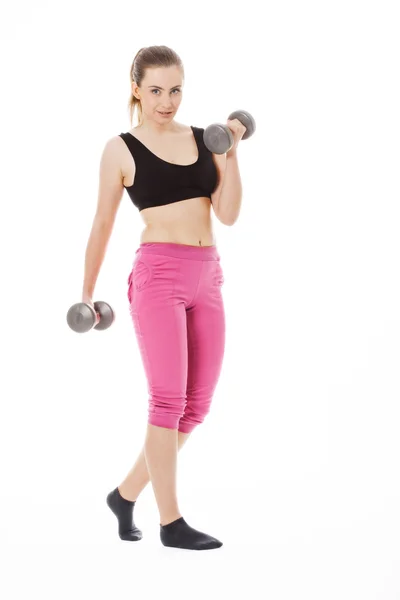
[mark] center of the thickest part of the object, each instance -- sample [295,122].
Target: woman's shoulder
[120,148]
[183,128]
[197,128]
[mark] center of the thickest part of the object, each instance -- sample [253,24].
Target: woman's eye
[172,90]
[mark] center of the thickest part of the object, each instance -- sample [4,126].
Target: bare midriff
[184,222]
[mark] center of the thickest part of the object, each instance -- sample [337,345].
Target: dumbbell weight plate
[218,138]
[81,317]
[106,314]
[246,119]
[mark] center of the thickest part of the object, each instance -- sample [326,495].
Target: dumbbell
[81,317]
[219,139]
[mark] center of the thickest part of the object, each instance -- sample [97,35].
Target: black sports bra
[158,182]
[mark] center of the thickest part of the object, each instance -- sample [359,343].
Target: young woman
[174,288]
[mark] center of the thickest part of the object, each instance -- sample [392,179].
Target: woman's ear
[135,90]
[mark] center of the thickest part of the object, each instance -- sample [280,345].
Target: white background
[296,469]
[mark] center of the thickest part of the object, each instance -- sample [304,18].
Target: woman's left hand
[238,130]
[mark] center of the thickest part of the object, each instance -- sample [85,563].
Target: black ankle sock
[179,534]
[123,510]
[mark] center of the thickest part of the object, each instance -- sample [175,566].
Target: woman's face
[160,92]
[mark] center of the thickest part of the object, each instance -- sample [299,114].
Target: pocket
[218,275]
[141,275]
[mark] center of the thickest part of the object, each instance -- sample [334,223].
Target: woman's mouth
[165,114]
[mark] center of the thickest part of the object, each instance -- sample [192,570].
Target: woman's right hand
[88,300]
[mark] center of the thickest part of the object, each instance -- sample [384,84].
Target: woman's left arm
[230,198]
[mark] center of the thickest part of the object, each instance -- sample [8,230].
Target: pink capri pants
[176,304]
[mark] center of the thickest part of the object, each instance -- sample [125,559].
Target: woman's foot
[123,510]
[179,534]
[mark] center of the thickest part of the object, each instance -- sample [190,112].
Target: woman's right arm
[110,193]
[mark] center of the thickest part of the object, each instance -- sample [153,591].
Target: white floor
[319,538]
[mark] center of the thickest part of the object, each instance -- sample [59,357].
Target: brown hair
[146,58]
